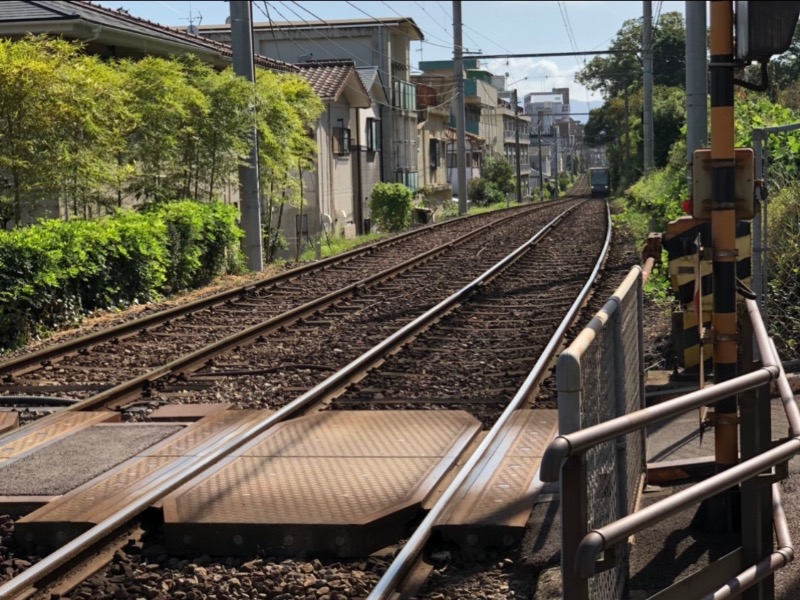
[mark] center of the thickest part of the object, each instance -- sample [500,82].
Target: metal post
[723,237]
[555,163]
[696,82]
[647,51]
[242,48]
[758,245]
[756,438]
[627,138]
[541,170]
[574,526]
[516,140]
[461,145]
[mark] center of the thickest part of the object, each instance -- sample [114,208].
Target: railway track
[502,323]
[110,368]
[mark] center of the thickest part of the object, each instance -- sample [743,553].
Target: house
[332,191]
[113,33]
[380,42]
[516,133]
[433,111]
[480,110]
[368,146]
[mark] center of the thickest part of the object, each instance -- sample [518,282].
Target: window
[341,140]
[405,95]
[433,153]
[301,225]
[373,135]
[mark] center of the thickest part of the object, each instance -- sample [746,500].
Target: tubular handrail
[564,446]
[602,538]
[767,566]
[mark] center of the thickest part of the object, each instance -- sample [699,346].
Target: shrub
[53,273]
[391,206]
[483,192]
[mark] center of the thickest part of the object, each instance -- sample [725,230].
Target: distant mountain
[583,107]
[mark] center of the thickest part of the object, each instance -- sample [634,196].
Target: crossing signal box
[744,195]
[764,28]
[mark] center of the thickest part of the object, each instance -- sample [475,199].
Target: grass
[331,246]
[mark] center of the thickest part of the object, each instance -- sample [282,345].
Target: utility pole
[541,169]
[250,200]
[627,137]
[723,243]
[696,82]
[647,51]
[516,139]
[555,162]
[461,144]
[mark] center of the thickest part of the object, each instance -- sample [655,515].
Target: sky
[499,27]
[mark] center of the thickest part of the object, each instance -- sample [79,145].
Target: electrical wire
[332,56]
[463,26]
[271,24]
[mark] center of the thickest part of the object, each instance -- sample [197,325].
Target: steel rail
[129,389]
[132,327]
[34,575]
[392,579]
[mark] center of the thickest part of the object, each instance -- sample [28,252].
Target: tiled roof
[414,35]
[329,77]
[18,12]
[368,75]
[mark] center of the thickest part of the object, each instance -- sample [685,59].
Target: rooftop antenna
[192,28]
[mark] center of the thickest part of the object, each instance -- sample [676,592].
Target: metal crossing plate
[342,483]
[69,515]
[498,496]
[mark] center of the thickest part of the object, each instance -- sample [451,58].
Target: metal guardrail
[601,376]
[565,458]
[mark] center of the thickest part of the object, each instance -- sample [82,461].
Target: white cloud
[542,76]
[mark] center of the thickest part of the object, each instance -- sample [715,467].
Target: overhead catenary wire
[331,56]
[271,24]
[449,17]
[329,53]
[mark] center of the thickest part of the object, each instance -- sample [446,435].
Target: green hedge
[55,272]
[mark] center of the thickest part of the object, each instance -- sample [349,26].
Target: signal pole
[723,242]
[242,48]
[461,144]
[516,139]
[647,51]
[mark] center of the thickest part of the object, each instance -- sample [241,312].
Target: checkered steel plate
[359,466]
[194,439]
[368,433]
[498,495]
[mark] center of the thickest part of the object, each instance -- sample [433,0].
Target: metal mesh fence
[601,461]
[778,252]
[782,270]
[609,374]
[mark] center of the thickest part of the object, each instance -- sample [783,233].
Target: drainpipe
[358,208]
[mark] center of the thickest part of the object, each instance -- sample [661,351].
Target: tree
[612,74]
[499,172]
[165,105]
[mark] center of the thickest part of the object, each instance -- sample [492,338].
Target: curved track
[485,338]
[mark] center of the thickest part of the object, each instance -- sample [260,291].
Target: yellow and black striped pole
[723,228]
